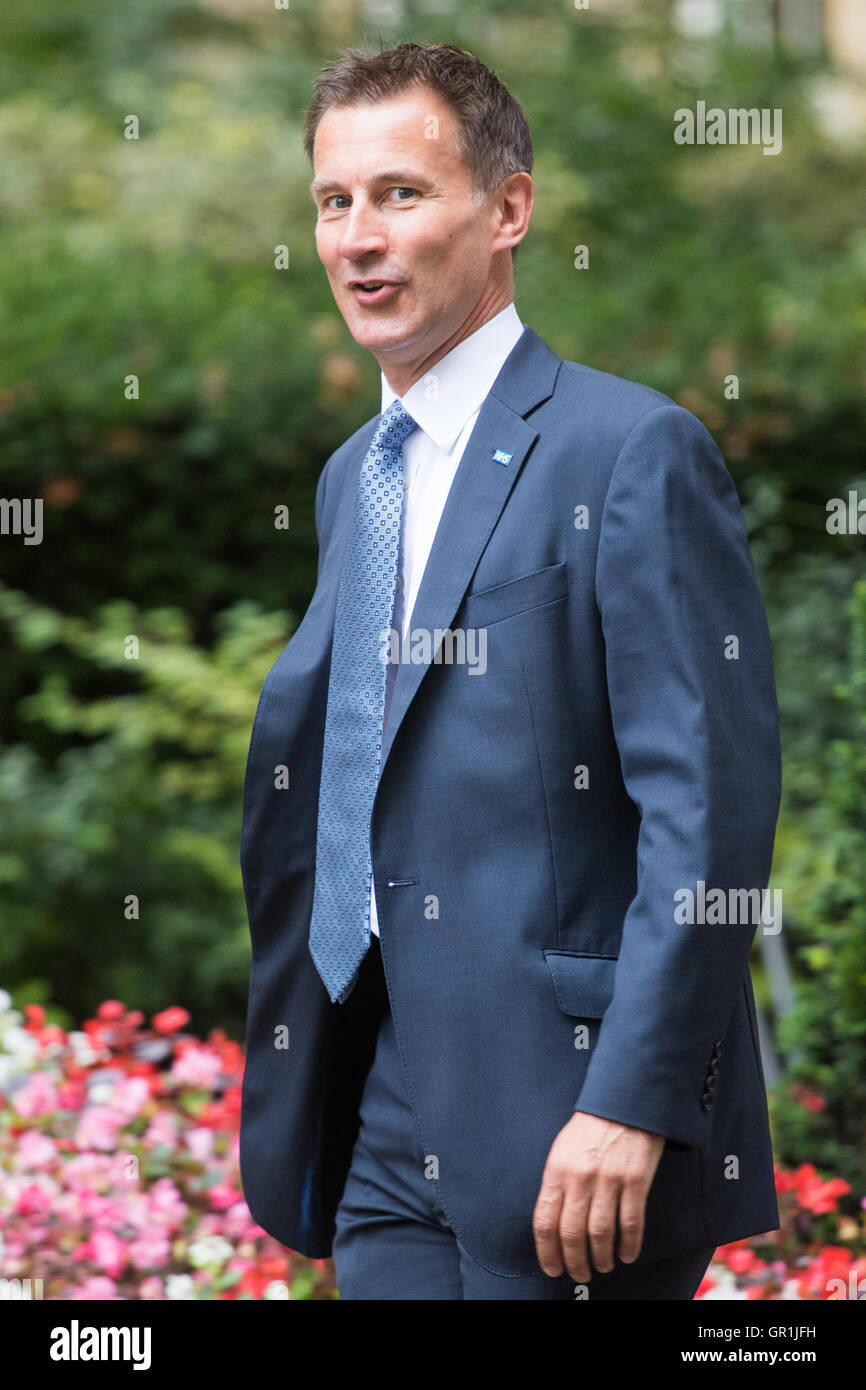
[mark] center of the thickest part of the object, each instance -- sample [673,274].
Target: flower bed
[119,1178]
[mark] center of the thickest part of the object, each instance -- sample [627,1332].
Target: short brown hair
[495,139]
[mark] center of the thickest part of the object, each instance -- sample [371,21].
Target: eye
[326,201]
[401,188]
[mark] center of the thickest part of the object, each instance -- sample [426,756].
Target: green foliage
[826,1034]
[144,799]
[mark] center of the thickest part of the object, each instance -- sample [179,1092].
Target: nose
[362,232]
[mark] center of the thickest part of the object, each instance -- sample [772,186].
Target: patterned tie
[354,720]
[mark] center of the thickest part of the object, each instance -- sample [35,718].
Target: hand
[595,1169]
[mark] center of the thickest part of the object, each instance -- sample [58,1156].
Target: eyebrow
[406,177]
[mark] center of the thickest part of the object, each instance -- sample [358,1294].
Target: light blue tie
[340,924]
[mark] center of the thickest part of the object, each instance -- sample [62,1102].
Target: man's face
[397,206]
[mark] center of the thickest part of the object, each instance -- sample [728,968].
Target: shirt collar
[465,376]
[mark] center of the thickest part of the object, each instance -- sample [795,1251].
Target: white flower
[277,1288]
[19,1043]
[725,1288]
[82,1053]
[180,1287]
[790,1290]
[210,1250]
[5,1001]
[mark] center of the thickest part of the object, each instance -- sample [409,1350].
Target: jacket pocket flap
[486,606]
[583,983]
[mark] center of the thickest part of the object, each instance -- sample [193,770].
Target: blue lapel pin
[500,456]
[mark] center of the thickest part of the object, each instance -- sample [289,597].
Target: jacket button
[710,1083]
[706,1101]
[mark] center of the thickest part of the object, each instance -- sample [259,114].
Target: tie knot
[395,425]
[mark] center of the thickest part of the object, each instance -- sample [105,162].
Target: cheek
[324,247]
[435,247]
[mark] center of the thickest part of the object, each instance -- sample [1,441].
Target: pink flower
[35,1150]
[200,1143]
[165,1203]
[96,1289]
[239,1224]
[81,1204]
[72,1095]
[130,1097]
[107,1251]
[151,1250]
[97,1128]
[129,1209]
[161,1130]
[33,1200]
[197,1066]
[94,1206]
[84,1168]
[38,1096]
[151,1288]
[223,1195]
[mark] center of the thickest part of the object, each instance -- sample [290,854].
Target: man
[527,723]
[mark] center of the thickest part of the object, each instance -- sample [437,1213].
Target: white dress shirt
[445,403]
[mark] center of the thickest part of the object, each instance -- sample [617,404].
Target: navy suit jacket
[528,917]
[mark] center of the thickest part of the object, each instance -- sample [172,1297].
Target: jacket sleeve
[693,706]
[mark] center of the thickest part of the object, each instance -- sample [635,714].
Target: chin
[379,335]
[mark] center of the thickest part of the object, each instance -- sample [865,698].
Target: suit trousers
[392,1238]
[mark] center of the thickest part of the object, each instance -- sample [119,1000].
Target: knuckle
[585,1172]
[569,1234]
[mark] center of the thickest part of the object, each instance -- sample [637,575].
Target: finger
[601,1224]
[545,1226]
[573,1235]
[632,1213]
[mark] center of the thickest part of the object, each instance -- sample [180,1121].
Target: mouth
[373,291]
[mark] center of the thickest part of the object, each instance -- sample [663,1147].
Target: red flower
[724,1252]
[808,1099]
[52,1033]
[253,1281]
[814,1194]
[171,1019]
[833,1262]
[742,1261]
[35,1015]
[111,1009]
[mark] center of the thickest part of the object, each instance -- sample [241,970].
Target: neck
[401,376]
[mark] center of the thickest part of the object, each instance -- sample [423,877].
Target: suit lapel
[475,501]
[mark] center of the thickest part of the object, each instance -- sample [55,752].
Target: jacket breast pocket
[583,983]
[486,606]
